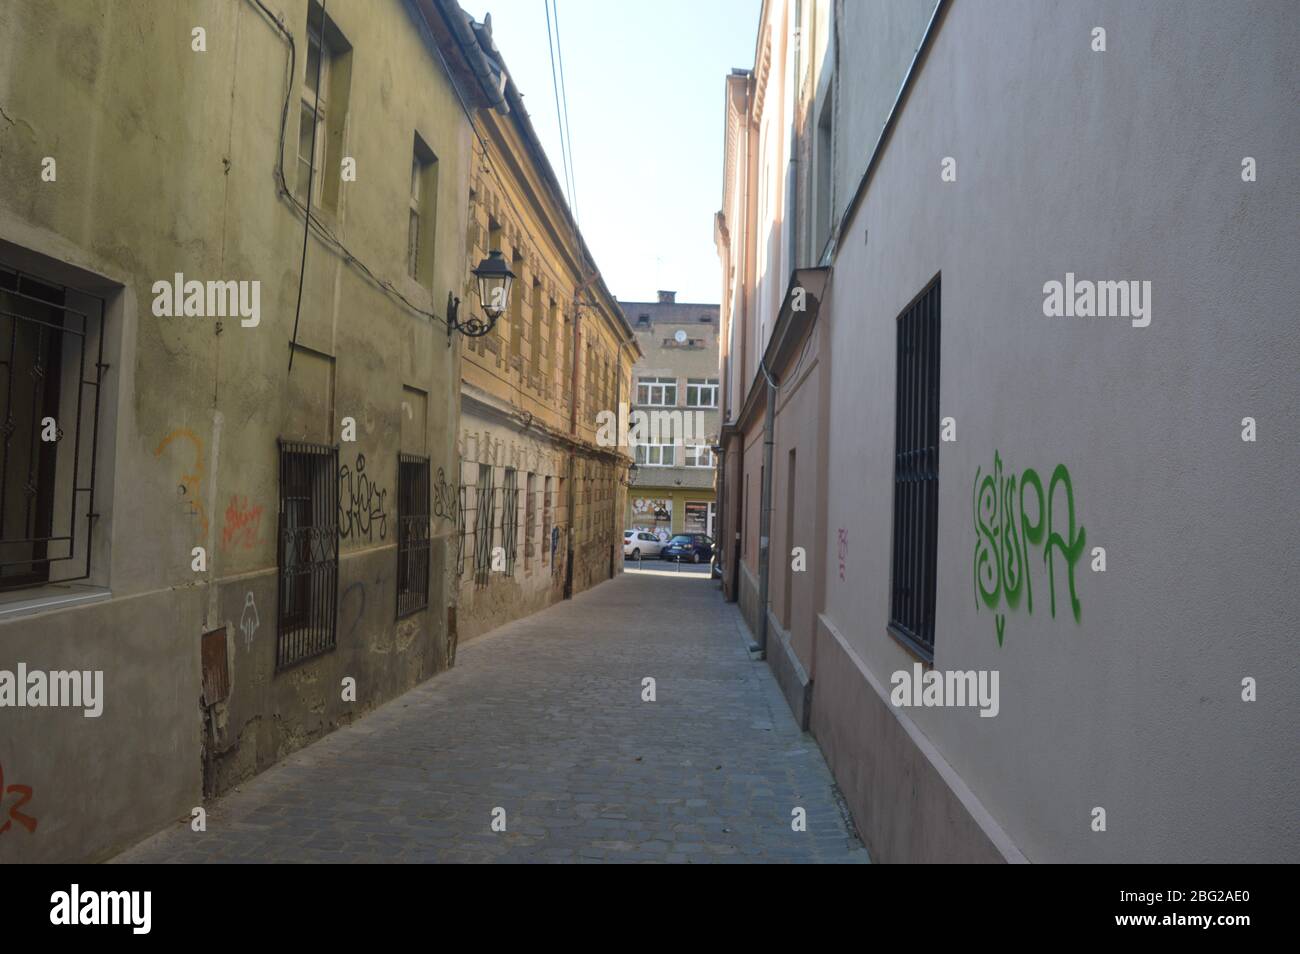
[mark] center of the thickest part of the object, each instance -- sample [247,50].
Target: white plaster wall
[879,39]
[1115,165]
[771,256]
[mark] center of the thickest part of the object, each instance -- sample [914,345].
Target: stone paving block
[543,717]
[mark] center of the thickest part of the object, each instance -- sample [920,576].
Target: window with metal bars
[916,474]
[510,517]
[484,525]
[307,552]
[547,504]
[413,543]
[563,525]
[460,532]
[51,373]
[530,520]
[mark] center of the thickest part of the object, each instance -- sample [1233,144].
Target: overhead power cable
[564,98]
[559,116]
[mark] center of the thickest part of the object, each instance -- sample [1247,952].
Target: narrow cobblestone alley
[544,718]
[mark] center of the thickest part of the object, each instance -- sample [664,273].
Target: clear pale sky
[645,91]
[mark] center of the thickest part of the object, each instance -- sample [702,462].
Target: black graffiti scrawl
[446,498]
[361,503]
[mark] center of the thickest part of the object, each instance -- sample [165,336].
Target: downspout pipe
[571,502]
[765,513]
[624,477]
[720,507]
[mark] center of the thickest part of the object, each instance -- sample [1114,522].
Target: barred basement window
[510,517]
[916,474]
[51,369]
[460,532]
[530,520]
[562,527]
[484,525]
[546,518]
[413,516]
[307,552]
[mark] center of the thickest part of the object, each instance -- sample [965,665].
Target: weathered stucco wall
[536,579]
[166,161]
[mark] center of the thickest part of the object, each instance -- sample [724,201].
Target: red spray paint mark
[243,523]
[25,795]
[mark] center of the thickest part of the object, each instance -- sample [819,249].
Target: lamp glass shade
[494,282]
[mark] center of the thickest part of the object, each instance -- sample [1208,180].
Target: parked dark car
[691,547]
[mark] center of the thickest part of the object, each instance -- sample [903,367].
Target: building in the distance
[675,391]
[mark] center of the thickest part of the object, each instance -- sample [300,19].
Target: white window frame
[312,100]
[697,389]
[413,220]
[698,455]
[656,455]
[656,387]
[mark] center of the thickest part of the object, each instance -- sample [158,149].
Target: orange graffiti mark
[242,525]
[191,484]
[27,821]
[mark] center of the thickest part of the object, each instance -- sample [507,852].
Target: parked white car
[638,544]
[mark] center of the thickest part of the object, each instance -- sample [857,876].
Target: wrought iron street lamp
[494,283]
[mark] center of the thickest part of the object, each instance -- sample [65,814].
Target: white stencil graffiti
[248,619]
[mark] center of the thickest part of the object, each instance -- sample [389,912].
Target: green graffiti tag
[1005,532]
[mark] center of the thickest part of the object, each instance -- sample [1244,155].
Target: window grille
[484,525]
[51,372]
[510,518]
[307,552]
[413,542]
[916,474]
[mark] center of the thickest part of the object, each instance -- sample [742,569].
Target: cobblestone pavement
[544,718]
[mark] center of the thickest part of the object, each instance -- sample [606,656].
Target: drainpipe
[618,450]
[573,453]
[725,545]
[719,507]
[765,511]
[742,352]
[791,209]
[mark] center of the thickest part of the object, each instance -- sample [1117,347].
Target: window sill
[413,612]
[52,596]
[922,653]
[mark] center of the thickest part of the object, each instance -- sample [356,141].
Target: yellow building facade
[540,497]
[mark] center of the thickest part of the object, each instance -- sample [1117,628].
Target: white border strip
[969,801]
